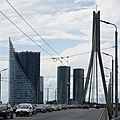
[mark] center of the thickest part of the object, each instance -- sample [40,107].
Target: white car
[24,109]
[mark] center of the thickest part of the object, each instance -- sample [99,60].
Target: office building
[24,75]
[63,84]
[78,85]
[41,88]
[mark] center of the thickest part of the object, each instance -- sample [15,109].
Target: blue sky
[65,24]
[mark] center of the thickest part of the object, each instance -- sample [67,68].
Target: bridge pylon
[95,52]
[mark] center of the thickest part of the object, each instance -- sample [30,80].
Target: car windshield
[40,105]
[23,106]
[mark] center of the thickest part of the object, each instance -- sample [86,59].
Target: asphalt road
[70,114]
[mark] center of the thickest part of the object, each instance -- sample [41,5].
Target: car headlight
[3,111]
[27,110]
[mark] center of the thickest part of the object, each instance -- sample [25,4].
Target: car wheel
[7,116]
[11,117]
[28,114]
[16,115]
[33,113]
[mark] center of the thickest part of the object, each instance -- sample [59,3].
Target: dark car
[34,110]
[97,106]
[85,106]
[40,108]
[14,108]
[6,111]
[48,107]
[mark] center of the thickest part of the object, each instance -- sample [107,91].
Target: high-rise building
[24,76]
[41,88]
[63,84]
[78,85]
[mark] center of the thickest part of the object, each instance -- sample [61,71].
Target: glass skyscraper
[24,74]
[41,88]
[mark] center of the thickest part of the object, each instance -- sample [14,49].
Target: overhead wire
[26,35]
[74,55]
[54,59]
[36,31]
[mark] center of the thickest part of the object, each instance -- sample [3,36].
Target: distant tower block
[63,84]
[78,85]
[41,88]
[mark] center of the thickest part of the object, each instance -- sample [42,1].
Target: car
[85,106]
[25,109]
[59,107]
[79,106]
[40,108]
[97,106]
[34,110]
[14,108]
[64,107]
[6,111]
[54,107]
[48,107]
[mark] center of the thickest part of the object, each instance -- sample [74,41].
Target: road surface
[70,114]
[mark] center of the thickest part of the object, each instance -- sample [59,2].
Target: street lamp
[109,87]
[112,72]
[55,95]
[48,92]
[68,86]
[0,81]
[116,67]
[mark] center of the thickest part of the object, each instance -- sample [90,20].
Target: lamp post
[112,72]
[48,92]
[116,67]
[68,85]
[0,81]
[109,87]
[55,95]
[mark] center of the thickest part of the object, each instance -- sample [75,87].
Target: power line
[60,57]
[26,35]
[34,30]
[54,76]
[74,55]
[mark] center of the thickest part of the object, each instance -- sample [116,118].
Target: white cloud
[59,20]
[80,1]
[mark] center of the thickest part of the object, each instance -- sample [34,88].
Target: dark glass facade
[78,85]
[41,88]
[63,84]
[24,76]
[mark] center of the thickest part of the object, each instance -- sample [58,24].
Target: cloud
[80,1]
[58,20]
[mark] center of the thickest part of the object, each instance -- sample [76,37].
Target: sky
[66,25]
